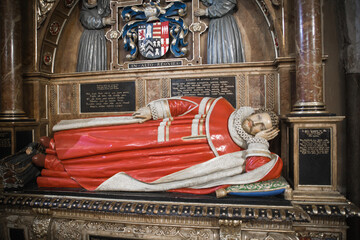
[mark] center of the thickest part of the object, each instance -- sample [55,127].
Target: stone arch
[58,35]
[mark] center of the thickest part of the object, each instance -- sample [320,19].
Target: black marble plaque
[205,87]
[314,156]
[5,144]
[108,97]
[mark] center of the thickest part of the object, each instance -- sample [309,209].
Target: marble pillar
[11,82]
[309,77]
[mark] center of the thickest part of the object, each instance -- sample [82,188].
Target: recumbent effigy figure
[186,144]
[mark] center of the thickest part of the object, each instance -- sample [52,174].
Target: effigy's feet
[38,160]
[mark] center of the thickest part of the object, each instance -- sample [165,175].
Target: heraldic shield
[153,39]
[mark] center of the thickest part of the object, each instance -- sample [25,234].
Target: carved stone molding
[319,235]
[93,217]
[331,209]
[230,212]
[140,93]
[79,229]
[265,232]
[268,236]
[241,90]
[165,87]
[270,91]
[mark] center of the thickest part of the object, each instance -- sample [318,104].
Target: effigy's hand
[200,12]
[268,134]
[143,113]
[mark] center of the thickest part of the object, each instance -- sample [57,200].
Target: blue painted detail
[136,16]
[258,194]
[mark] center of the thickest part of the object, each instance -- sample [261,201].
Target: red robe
[196,131]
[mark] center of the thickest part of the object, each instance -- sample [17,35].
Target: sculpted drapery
[92,55]
[192,145]
[224,44]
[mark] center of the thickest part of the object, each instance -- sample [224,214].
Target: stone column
[309,77]
[11,82]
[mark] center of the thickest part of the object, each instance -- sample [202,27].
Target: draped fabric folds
[149,152]
[224,44]
[92,55]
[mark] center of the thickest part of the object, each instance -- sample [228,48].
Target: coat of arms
[153,39]
[152,30]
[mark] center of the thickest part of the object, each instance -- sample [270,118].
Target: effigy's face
[256,123]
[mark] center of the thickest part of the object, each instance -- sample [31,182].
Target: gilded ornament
[43,8]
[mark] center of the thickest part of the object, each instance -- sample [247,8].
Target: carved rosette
[54,28]
[69,3]
[47,58]
[112,35]
[198,27]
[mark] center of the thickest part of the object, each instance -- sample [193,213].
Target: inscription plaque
[205,87]
[315,156]
[5,144]
[155,64]
[108,97]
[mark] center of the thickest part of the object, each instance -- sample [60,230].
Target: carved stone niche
[257,22]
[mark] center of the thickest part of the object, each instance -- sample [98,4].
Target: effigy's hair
[274,117]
